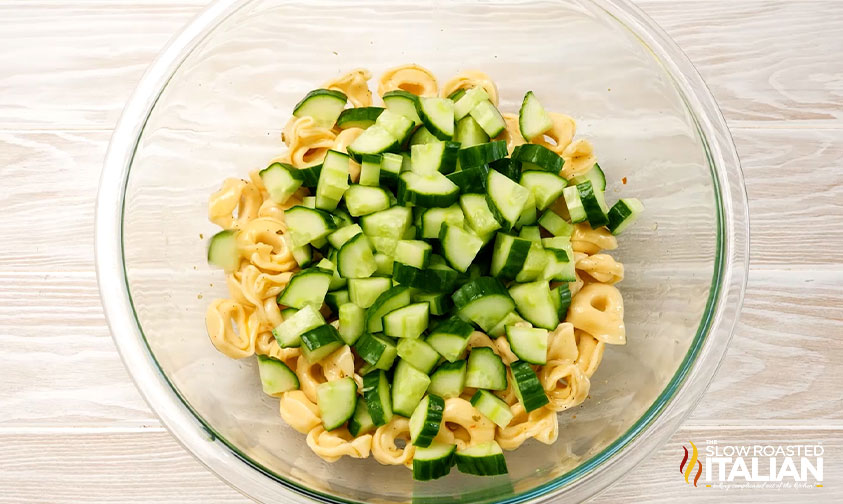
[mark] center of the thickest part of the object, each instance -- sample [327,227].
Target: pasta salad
[425,281]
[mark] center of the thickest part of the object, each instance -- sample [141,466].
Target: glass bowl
[212,106]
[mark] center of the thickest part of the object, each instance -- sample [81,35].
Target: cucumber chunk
[323,105]
[485,459]
[361,422]
[276,377]
[288,333]
[408,387]
[538,157]
[485,370]
[535,303]
[407,322]
[426,419]
[437,114]
[528,343]
[493,407]
[533,120]
[360,117]
[307,287]
[623,213]
[434,461]
[281,181]
[528,388]
[484,301]
[222,250]
[337,400]
[448,380]
[318,343]
[378,397]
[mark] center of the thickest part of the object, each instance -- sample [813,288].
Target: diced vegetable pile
[442,234]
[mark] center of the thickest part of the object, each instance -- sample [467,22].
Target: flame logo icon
[686,470]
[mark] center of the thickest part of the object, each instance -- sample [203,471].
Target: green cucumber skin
[432,421]
[492,465]
[527,380]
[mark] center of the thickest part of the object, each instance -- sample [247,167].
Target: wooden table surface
[72,426]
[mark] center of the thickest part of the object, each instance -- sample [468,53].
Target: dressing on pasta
[266,252]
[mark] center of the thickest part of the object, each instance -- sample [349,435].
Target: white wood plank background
[73,428]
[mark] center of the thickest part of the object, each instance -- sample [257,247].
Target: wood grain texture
[73,427]
[755,55]
[92,467]
[764,60]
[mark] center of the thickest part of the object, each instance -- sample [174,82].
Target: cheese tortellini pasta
[243,324]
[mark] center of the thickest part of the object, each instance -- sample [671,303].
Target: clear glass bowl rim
[672,406]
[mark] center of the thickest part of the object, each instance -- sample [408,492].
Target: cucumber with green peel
[223,251]
[276,377]
[359,117]
[323,105]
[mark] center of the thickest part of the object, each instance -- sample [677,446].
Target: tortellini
[332,445]
[411,78]
[307,141]
[470,79]
[355,85]
[540,424]
[601,267]
[299,411]
[384,446]
[463,425]
[238,196]
[598,310]
[565,384]
[231,328]
[511,134]
[591,241]
[561,133]
[579,158]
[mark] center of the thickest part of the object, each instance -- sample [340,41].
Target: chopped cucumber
[318,343]
[535,303]
[361,422]
[407,322]
[408,387]
[528,343]
[307,287]
[623,213]
[450,338]
[222,250]
[323,105]
[527,386]
[364,291]
[485,370]
[485,459]
[418,353]
[360,117]
[281,181]
[288,333]
[337,400]
[537,157]
[426,419]
[434,461]
[276,377]
[493,407]
[437,114]
[484,301]
[378,397]
[533,120]
[448,380]
[352,319]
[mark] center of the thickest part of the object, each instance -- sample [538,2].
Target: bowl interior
[221,114]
